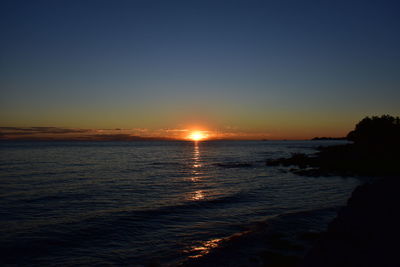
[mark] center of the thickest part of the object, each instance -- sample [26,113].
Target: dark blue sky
[269,66]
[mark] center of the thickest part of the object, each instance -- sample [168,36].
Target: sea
[156,203]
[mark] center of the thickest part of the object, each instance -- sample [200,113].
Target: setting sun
[197,136]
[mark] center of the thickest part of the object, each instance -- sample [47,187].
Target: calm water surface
[131,202]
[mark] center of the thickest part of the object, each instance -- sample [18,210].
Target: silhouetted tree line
[375,152]
[376,130]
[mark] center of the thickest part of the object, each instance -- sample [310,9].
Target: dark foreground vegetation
[367,231]
[375,151]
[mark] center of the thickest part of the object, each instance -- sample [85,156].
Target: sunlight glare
[197,136]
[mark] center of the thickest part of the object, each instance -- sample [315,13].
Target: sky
[239,69]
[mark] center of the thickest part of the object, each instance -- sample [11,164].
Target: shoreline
[365,232]
[284,238]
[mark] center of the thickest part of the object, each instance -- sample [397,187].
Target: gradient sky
[279,69]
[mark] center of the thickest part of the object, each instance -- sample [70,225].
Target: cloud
[119,134]
[39,130]
[35,133]
[58,133]
[119,137]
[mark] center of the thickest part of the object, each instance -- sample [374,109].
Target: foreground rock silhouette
[367,231]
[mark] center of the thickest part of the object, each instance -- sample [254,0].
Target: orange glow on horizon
[184,133]
[197,136]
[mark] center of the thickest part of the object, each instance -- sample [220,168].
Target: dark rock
[345,160]
[365,233]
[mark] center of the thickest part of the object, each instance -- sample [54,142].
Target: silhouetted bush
[375,152]
[376,130]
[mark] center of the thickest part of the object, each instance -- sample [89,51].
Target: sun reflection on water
[196,163]
[204,248]
[196,174]
[197,195]
[196,156]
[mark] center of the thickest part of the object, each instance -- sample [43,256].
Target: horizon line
[51,133]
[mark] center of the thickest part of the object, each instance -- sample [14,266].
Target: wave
[42,174]
[288,234]
[99,228]
[185,207]
[165,163]
[234,164]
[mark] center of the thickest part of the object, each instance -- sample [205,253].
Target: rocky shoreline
[344,160]
[365,233]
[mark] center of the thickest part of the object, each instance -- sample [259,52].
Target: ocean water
[133,203]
